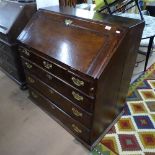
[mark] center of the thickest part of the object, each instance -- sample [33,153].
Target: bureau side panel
[113,84]
[133,46]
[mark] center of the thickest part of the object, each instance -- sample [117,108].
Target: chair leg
[148,52]
[108,8]
[139,9]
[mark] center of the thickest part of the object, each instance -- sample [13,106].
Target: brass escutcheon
[51,91]
[68,22]
[49,76]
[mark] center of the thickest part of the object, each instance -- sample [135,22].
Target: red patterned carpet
[134,133]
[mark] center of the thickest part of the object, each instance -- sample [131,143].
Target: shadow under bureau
[13,17]
[78,67]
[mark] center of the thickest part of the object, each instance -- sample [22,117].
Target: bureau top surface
[9,12]
[76,38]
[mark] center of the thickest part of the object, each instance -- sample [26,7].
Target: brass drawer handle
[34,95]
[47,65]
[68,22]
[31,80]
[77,96]
[77,82]
[25,51]
[76,112]
[49,76]
[29,66]
[76,129]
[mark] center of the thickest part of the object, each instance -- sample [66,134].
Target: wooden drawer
[87,85]
[5,58]
[5,49]
[10,70]
[75,127]
[68,91]
[73,110]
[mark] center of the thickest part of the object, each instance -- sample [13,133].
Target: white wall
[46,3]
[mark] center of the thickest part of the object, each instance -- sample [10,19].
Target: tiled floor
[27,130]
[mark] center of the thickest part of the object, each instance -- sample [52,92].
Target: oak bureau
[78,67]
[13,17]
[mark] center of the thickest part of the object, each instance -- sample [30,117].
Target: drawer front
[85,85]
[75,127]
[10,70]
[69,92]
[12,67]
[58,99]
[5,58]
[7,50]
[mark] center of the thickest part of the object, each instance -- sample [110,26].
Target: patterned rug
[134,133]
